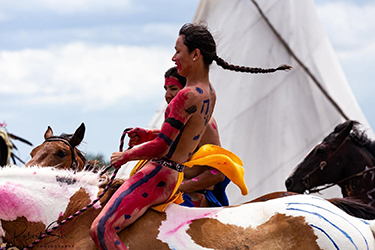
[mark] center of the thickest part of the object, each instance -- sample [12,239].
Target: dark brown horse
[7,147]
[61,152]
[345,158]
[4,152]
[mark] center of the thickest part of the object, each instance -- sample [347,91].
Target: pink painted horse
[34,199]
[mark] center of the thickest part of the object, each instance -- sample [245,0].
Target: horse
[345,158]
[34,199]
[61,152]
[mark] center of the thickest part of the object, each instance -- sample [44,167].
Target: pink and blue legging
[152,185]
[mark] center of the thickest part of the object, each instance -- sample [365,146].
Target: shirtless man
[185,120]
[199,181]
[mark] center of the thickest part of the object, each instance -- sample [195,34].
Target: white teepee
[273,120]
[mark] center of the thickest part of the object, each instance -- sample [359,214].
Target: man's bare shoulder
[191,95]
[196,89]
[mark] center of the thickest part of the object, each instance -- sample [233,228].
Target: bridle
[307,179]
[74,164]
[49,231]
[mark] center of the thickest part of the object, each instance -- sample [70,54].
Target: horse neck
[361,187]
[81,160]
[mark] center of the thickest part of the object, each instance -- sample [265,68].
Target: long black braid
[245,69]
[197,36]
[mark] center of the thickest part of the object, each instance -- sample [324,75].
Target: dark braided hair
[197,36]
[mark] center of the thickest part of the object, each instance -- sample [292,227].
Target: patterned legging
[152,185]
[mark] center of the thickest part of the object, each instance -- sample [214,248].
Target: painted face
[182,57]
[172,86]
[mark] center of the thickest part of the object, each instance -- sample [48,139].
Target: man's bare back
[199,108]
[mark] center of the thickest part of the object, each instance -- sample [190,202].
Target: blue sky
[102,63]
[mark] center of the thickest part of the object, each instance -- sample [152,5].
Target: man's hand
[117,159]
[138,136]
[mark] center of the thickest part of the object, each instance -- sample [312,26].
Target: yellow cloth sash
[207,155]
[137,167]
[222,159]
[174,198]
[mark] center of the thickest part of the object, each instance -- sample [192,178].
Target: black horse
[7,147]
[345,157]
[4,151]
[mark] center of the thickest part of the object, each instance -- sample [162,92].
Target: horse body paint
[36,197]
[332,228]
[33,199]
[39,194]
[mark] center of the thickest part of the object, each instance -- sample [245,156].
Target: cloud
[130,34]
[78,73]
[67,6]
[351,25]
[3,17]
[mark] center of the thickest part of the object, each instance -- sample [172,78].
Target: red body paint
[169,81]
[158,147]
[152,185]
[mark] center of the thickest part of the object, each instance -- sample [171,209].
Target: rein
[316,190]
[307,179]
[48,232]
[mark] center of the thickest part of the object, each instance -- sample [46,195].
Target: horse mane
[357,134]
[360,138]
[53,174]
[354,207]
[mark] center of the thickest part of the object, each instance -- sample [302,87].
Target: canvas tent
[271,121]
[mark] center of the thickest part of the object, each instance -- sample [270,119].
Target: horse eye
[61,154]
[320,151]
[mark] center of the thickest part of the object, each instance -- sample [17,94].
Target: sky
[103,63]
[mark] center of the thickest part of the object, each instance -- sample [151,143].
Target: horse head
[335,160]
[60,151]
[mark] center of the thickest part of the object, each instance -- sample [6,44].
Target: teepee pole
[325,93]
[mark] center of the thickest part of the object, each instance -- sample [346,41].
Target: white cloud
[69,6]
[66,6]
[3,17]
[362,54]
[347,24]
[162,29]
[160,33]
[77,73]
[351,29]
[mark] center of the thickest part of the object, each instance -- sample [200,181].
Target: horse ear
[345,131]
[48,133]
[78,135]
